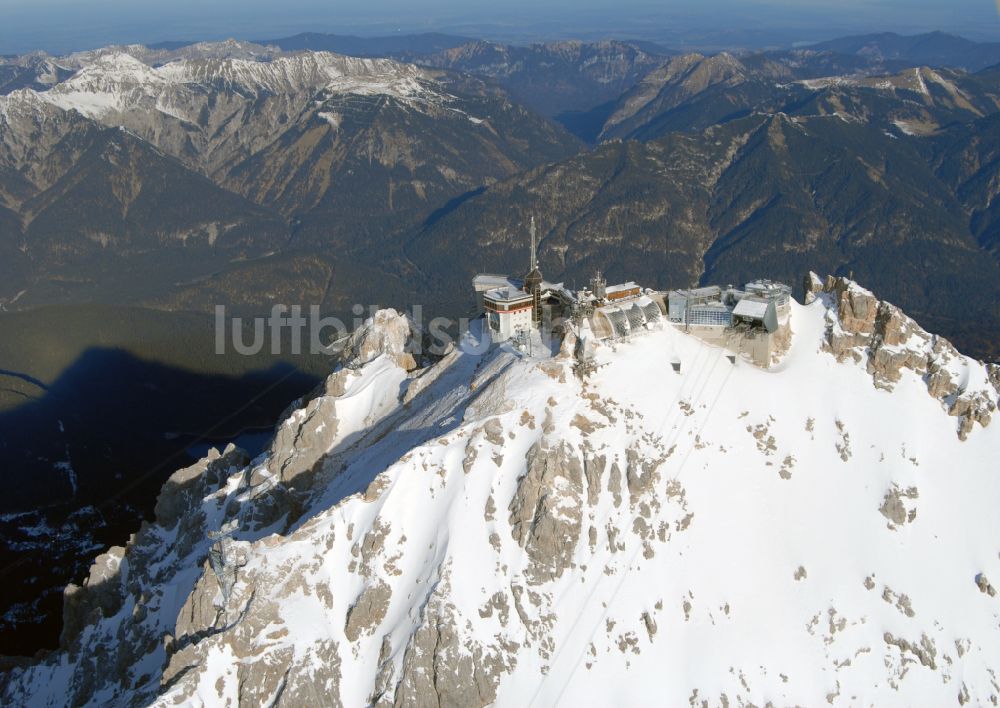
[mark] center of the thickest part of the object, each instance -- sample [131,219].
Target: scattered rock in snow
[901,602]
[984,585]
[650,624]
[894,507]
[924,651]
[493,431]
[843,445]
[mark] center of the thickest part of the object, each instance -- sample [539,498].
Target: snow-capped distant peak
[308,70]
[113,82]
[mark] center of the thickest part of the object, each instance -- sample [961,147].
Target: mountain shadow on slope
[84,458]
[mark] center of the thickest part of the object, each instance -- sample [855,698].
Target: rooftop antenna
[534,246]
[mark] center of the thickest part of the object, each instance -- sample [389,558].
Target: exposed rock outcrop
[307,434]
[547,509]
[101,594]
[310,431]
[443,668]
[875,332]
[187,487]
[368,612]
[386,333]
[894,507]
[984,585]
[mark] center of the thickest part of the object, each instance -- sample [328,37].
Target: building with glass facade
[710,314]
[713,306]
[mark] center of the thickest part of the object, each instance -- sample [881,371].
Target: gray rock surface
[546,511]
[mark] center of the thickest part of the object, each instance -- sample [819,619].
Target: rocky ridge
[881,336]
[492,529]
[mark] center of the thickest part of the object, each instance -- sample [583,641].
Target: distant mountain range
[931,49]
[177,175]
[334,154]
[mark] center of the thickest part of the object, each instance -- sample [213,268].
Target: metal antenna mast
[534,246]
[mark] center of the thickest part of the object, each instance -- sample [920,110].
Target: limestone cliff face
[310,432]
[869,330]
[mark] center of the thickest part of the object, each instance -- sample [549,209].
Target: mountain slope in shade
[492,530]
[13,257]
[101,213]
[140,201]
[38,144]
[969,160]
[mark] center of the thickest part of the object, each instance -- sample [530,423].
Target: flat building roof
[507,295]
[748,307]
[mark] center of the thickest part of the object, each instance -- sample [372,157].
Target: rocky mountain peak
[386,333]
[493,529]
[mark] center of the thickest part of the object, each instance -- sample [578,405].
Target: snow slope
[492,529]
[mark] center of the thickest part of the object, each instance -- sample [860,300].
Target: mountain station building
[753,321]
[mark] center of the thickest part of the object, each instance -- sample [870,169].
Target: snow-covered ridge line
[113,82]
[491,529]
[315,69]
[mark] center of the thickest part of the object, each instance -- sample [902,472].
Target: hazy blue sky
[60,25]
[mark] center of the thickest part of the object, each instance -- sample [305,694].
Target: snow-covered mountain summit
[492,529]
[213,107]
[120,81]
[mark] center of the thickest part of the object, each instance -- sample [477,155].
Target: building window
[704,316]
